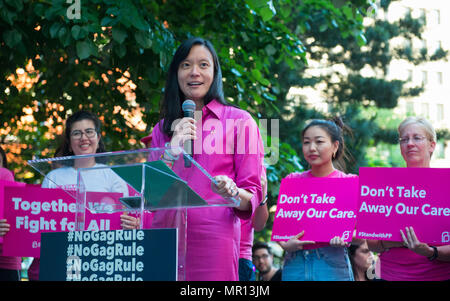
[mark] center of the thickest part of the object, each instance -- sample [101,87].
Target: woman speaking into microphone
[213,234]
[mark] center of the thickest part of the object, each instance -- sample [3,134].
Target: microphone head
[188,106]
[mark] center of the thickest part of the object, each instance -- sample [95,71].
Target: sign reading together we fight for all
[322,207]
[31,211]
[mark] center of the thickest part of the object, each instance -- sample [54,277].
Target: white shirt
[96,179]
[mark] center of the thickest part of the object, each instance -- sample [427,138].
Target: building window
[410,108]
[440,78]
[410,75]
[440,112]
[421,44]
[408,11]
[435,46]
[424,77]
[425,110]
[439,151]
[434,17]
[423,15]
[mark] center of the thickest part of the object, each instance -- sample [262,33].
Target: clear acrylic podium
[138,183]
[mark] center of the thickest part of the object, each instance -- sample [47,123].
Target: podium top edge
[116,153]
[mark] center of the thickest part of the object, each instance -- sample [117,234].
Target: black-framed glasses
[414,139]
[77,134]
[256,258]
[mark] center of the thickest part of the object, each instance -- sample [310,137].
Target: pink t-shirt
[213,233]
[402,264]
[307,174]
[8,262]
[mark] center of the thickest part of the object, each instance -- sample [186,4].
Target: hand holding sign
[294,243]
[128,222]
[4,227]
[411,241]
[337,242]
[32,210]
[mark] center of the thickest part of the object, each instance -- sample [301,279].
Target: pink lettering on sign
[394,198]
[322,207]
[33,210]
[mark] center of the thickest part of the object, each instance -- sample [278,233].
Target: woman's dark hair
[352,249]
[174,97]
[65,149]
[354,246]
[335,129]
[3,155]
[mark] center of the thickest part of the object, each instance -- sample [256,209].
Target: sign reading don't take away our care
[394,198]
[322,207]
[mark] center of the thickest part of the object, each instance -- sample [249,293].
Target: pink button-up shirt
[228,143]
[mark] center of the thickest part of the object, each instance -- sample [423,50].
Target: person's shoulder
[341,174]
[236,112]
[295,175]
[243,114]
[158,126]
[58,176]
[105,170]
[60,170]
[158,132]
[159,123]
[277,276]
[6,174]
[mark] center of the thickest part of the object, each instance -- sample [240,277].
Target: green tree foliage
[81,50]
[361,101]
[85,53]
[349,93]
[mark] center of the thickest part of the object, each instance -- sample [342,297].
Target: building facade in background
[434,102]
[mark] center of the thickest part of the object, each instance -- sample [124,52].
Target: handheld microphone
[188,108]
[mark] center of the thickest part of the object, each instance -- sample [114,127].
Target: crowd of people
[220,241]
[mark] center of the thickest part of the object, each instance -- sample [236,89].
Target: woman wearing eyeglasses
[411,259]
[82,136]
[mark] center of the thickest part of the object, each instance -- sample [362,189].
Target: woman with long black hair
[233,159]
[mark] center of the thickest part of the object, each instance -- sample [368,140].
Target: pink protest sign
[322,207]
[394,198]
[3,184]
[102,221]
[32,210]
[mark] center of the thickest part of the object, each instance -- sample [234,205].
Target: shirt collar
[214,107]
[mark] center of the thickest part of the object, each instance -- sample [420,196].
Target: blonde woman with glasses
[412,260]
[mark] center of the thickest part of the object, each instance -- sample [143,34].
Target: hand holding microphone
[184,131]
